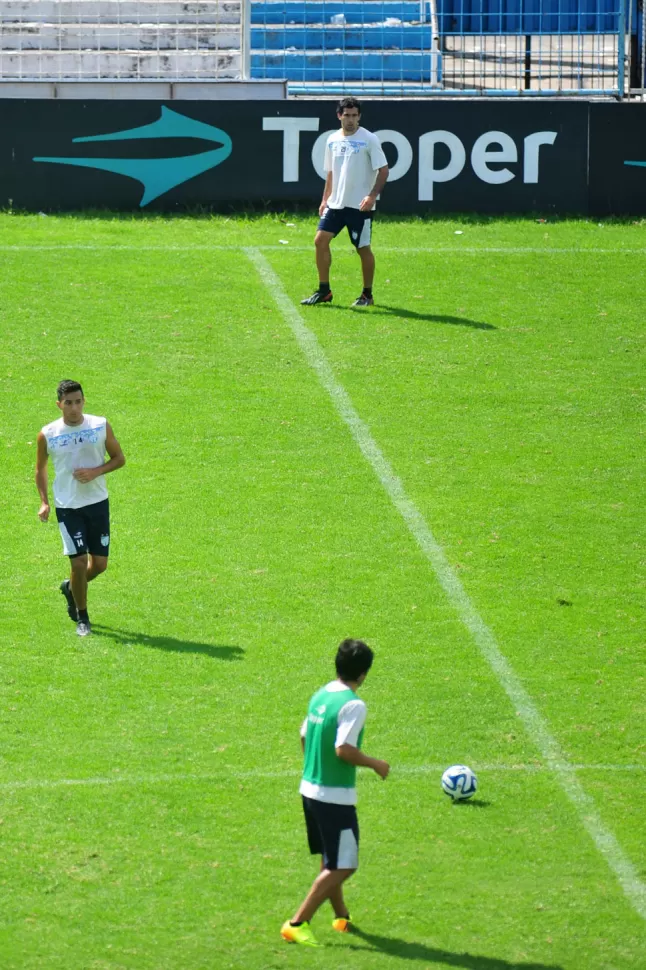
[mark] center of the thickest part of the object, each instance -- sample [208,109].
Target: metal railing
[388,47]
[521,48]
[642,54]
[449,47]
[556,47]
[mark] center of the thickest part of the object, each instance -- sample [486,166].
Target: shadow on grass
[405,313]
[430,955]
[472,803]
[217,652]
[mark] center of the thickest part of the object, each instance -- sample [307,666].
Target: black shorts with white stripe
[333,833]
[358,224]
[85,530]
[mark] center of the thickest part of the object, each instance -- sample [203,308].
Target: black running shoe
[71,605]
[318,297]
[83,629]
[364,301]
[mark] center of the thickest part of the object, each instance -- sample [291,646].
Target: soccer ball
[459,782]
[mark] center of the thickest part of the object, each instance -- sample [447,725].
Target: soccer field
[454,475]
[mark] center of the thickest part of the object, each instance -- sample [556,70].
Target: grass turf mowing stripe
[443,250]
[224,774]
[535,724]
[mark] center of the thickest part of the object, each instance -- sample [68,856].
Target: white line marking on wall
[536,726]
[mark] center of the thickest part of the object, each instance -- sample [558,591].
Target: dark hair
[347,103]
[68,387]
[353,658]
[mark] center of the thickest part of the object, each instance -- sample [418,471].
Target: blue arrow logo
[157,175]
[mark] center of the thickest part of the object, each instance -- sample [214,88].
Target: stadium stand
[332,46]
[122,39]
[461,46]
[337,41]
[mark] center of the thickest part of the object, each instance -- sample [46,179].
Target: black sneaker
[71,605]
[364,301]
[83,629]
[318,297]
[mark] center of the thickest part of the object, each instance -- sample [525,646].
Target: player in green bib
[331,736]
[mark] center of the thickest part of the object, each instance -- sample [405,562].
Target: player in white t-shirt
[356,172]
[77,444]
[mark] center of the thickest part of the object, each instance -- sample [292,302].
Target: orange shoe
[342,924]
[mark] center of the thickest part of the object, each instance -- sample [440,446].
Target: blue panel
[456,16]
[340,67]
[344,38]
[316,12]
[529,16]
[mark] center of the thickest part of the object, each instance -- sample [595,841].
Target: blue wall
[529,16]
[459,16]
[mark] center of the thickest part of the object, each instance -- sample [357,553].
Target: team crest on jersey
[68,438]
[348,147]
[105,540]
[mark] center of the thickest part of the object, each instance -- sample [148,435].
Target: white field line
[227,774]
[535,725]
[126,248]
[440,250]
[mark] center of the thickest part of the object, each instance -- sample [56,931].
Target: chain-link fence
[465,47]
[640,54]
[554,47]
[379,47]
[123,39]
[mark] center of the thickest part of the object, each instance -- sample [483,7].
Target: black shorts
[332,832]
[358,224]
[85,530]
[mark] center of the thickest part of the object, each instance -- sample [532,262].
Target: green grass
[150,816]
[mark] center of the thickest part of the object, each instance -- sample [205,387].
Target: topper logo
[442,156]
[482,157]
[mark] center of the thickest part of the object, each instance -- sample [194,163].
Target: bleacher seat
[394,46]
[142,39]
[314,41]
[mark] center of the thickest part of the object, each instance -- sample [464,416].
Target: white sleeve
[350,721]
[304,728]
[327,163]
[377,156]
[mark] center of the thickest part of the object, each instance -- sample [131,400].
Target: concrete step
[147,37]
[122,64]
[119,11]
[127,89]
[344,38]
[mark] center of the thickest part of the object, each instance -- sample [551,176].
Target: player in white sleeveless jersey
[356,171]
[77,444]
